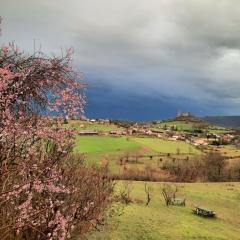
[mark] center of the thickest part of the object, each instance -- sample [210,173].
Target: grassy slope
[218,131]
[164,146]
[100,144]
[100,127]
[189,126]
[105,144]
[157,222]
[179,124]
[109,148]
[104,147]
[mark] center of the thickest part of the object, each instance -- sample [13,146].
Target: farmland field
[98,144]
[165,146]
[101,144]
[98,148]
[190,126]
[84,125]
[158,222]
[183,126]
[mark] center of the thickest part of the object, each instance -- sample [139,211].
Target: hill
[156,221]
[181,123]
[225,121]
[190,118]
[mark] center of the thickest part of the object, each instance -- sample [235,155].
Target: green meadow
[110,148]
[190,126]
[158,222]
[165,146]
[98,148]
[104,144]
[181,125]
[100,127]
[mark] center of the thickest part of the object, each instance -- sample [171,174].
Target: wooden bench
[202,211]
[178,201]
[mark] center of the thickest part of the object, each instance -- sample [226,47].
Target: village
[184,127]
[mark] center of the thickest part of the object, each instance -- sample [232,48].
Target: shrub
[169,192]
[124,195]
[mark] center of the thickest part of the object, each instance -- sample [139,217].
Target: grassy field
[181,126]
[100,127]
[100,144]
[229,150]
[165,146]
[218,131]
[98,148]
[190,126]
[104,144]
[158,222]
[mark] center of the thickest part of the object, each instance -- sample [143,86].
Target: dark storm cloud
[172,48]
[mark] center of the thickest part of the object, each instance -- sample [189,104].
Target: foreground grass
[158,222]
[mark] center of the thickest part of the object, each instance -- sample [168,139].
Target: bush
[124,195]
[169,192]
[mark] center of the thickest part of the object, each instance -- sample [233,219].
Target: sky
[141,59]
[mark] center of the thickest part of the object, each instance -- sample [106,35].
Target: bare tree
[214,164]
[149,192]
[178,151]
[169,192]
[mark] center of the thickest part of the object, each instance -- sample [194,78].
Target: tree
[149,193]
[214,164]
[169,192]
[38,197]
[178,151]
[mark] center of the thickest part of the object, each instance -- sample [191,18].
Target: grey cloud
[176,48]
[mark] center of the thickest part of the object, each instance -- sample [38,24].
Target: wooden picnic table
[203,211]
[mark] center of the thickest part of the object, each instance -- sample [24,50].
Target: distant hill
[225,121]
[190,118]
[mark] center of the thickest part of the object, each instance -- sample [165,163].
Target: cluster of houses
[169,133]
[202,139]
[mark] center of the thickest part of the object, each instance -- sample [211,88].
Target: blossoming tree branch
[46,192]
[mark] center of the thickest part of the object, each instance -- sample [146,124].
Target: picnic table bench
[203,211]
[178,201]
